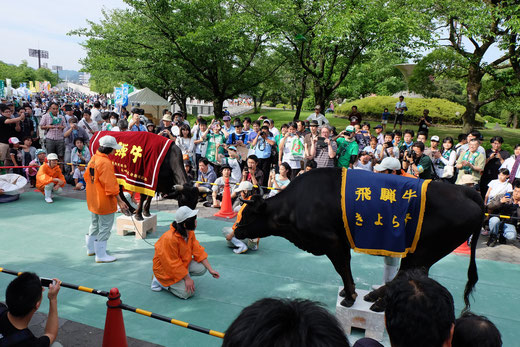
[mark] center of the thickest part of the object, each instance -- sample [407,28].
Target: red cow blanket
[137,163]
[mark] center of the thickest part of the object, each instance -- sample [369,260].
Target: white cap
[109,141]
[14,140]
[388,163]
[52,156]
[435,138]
[183,213]
[246,185]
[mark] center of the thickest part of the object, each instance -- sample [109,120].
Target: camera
[389,144]
[45,282]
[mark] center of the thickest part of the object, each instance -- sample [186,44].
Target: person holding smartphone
[23,297]
[508,205]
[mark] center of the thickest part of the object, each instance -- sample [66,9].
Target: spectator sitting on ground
[206,174]
[234,161]
[471,162]
[507,206]
[472,330]
[499,187]
[309,165]
[279,181]
[188,167]
[15,155]
[49,178]
[178,256]
[31,172]
[79,180]
[284,322]
[218,188]
[80,153]
[23,298]
[365,161]
[253,174]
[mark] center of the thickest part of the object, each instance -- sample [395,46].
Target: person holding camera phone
[167,129]
[348,148]
[23,297]
[508,205]
[323,148]
[420,163]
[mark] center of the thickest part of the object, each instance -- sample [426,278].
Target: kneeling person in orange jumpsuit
[49,178]
[178,256]
[102,199]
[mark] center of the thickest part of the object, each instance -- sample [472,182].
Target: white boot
[101,252]
[48,193]
[89,240]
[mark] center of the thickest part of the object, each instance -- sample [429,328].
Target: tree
[473,27]
[23,74]
[330,37]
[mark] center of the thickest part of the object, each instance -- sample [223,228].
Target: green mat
[49,240]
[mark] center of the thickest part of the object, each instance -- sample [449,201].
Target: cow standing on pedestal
[308,213]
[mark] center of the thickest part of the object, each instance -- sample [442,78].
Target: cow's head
[254,220]
[187,195]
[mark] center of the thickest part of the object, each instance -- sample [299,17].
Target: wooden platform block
[125,225]
[360,316]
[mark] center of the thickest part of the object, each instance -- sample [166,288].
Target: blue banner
[118,95]
[382,213]
[124,89]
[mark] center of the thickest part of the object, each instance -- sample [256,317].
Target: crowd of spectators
[256,150]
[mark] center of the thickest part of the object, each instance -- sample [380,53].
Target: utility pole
[40,54]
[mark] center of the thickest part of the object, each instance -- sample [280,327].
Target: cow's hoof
[371,297]
[378,306]
[342,293]
[347,302]
[139,217]
[127,213]
[147,214]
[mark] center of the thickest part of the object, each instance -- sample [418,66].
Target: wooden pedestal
[360,316]
[125,225]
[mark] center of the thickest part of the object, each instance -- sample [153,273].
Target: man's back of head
[472,330]
[23,294]
[283,322]
[419,311]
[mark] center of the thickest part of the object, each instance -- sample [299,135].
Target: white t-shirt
[498,187]
[78,174]
[320,118]
[93,125]
[287,156]
[96,115]
[508,164]
[274,131]
[360,166]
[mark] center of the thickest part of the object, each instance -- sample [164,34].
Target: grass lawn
[511,136]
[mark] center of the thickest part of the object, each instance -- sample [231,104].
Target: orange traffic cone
[226,209]
[114,334]
[463,249]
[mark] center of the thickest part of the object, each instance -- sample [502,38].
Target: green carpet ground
[49,239]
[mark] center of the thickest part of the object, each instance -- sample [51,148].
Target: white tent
[151,102]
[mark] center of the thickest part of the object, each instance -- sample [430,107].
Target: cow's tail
[472,269]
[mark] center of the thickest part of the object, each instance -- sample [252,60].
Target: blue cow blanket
[382,213]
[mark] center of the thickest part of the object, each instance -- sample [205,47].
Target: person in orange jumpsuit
[178,256]
[102,199]
[49,178]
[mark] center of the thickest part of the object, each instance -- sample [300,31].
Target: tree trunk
[255,107]
[292,103]
[515,120]
[218,105]
[320,96]
[299,102]
[473,87]
[261,101]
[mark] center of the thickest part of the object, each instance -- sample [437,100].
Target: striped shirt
[53,133]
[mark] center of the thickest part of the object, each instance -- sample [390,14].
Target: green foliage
[309,103]
[493,120]
[23,74]
[442,111]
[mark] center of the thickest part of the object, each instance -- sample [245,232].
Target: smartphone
[508,195]
[46,281]
[320,138]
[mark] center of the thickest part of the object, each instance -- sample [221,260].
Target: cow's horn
[204,190]
[178,187]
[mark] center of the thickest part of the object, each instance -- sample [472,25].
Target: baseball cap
[388,163]
[14,140]
[232,147]
[38,151]
[226,118]
[349,129]
[52,156]
[245,185]
[379,126]
[109,141]
[183,213]
[434,138]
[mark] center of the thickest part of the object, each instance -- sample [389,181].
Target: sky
[44,24]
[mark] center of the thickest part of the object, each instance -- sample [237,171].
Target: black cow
[308,213]
[172,178]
